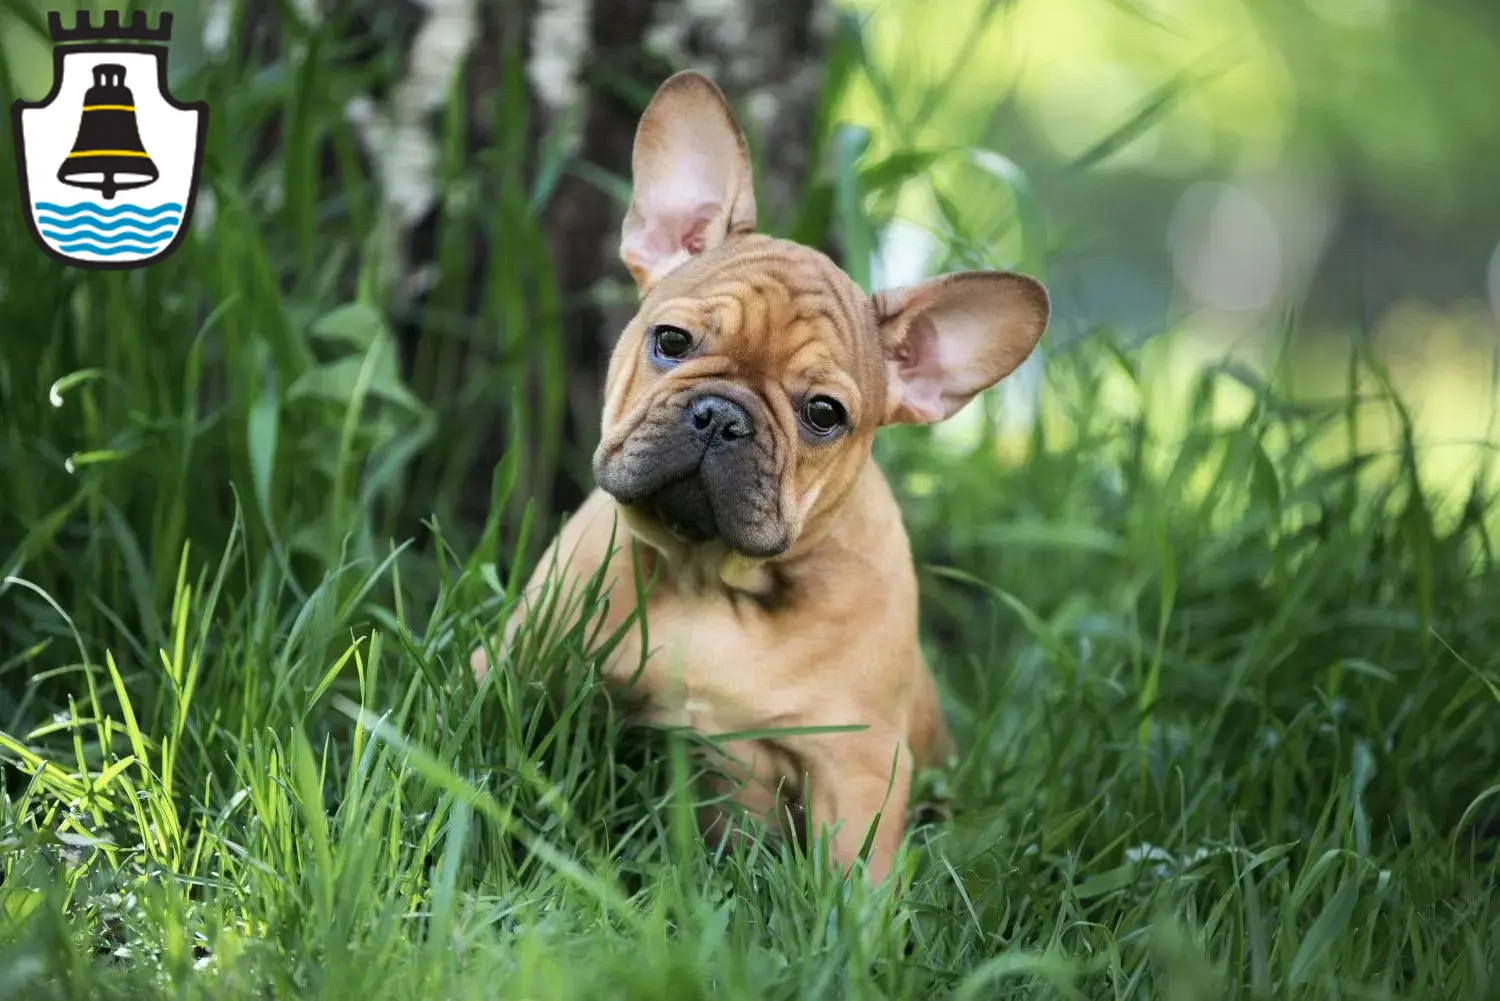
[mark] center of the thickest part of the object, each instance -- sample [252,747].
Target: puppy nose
[717,421]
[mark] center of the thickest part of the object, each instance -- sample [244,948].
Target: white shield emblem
[109,160]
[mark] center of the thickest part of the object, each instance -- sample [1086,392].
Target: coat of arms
[109,159]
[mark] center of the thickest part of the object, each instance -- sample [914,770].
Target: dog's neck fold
[711,568]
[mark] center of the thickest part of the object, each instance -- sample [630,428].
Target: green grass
[1228,716]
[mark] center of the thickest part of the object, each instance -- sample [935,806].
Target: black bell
[108,155]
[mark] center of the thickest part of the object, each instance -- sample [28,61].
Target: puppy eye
[671,342]
[823,415]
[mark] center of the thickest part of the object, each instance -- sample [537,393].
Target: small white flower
[1166,862]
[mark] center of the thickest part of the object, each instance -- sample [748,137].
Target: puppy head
[742,400]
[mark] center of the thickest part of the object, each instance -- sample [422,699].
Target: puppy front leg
[755,781]
[479,660]
[580,548]
[853,782]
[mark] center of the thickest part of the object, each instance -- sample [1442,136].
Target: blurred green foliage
[1389,93]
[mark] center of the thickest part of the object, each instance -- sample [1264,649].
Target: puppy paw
[479,663]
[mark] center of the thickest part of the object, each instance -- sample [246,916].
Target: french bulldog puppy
[742,402]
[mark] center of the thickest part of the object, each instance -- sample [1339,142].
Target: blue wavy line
[102,239]
[107,227]
[106,211]
[92,248]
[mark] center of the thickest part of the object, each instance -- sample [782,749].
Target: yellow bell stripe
[107,152]
[109,107]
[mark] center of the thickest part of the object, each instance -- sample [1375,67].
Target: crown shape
[84,30]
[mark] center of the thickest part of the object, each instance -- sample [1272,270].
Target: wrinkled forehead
[774,306]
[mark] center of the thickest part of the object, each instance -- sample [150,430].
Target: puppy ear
[690,180]
[950,338]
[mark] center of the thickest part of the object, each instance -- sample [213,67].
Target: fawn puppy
[741,406]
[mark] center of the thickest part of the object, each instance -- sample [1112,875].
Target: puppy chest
[707,670]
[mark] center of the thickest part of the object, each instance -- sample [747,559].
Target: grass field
[1228,714]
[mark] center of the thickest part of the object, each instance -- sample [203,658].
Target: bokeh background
[1265,181]
[1211,574]
[1268,180]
